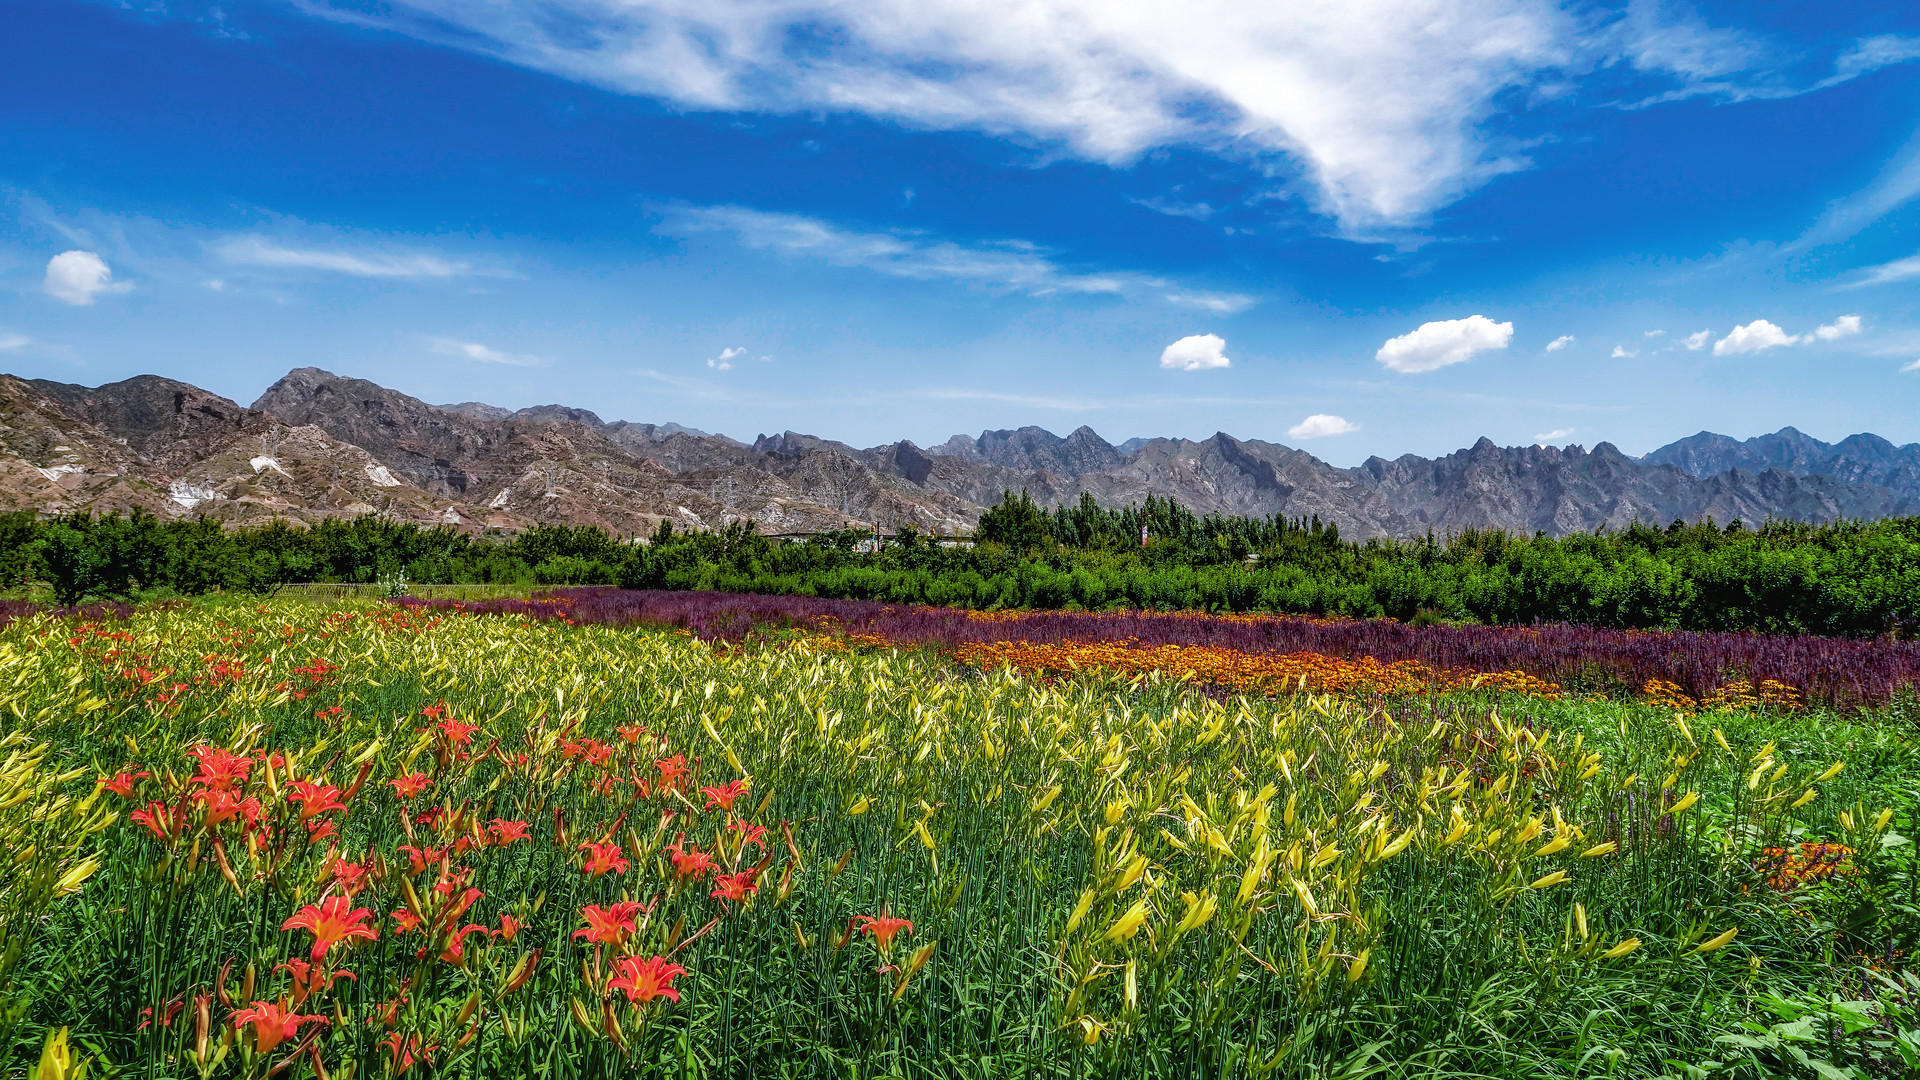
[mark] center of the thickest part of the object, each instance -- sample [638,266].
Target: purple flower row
[1840,672]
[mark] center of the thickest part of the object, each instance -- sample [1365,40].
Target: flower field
[1838,672]
[299,840]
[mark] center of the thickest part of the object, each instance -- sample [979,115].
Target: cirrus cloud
[1321,426]
[473,350]
[1560,342]
[1196,352]
[1438,344]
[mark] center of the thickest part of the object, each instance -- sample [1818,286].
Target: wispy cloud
[1197,211]
[1559,343]
[14,341]
[255,250]
[1554,436]
[1886,273]
[999,266]
[473,350]
[1915,366]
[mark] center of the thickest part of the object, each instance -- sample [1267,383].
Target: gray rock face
[348,445]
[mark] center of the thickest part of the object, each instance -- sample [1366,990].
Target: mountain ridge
[316,444]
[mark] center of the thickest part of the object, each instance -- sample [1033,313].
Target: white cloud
[1654,334]
[473,350]
[1382,106]
[1621,352]
[260,251]
[1698,340]
[1005,265]
[724,362]
[1198,352]
[1320,426]
[215,284]
[1554,436]
[1753,337]
[14,341]
[1915,366]
[77,277]
[1844,326]
[1560,342]
[1437,344]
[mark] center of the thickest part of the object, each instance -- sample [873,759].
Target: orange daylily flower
[314,798]
[122,785]
[735,886]
[272,1023]
[332,922]
[673,772]
[723,797]
[604,858]
[220,770]
[882,928]
[610,925]
[644,980]
[506,832]
[409,785]
[689,864]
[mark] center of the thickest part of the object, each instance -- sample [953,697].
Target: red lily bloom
[457,733]
[410,785]
[314,798]
[159,820]
[404,1050]
[602,858]
[332,922]
[306,981]
[882,928]
[122,785]
[506,832]
[644,980]
[610,925]
[407,919]
[735,886]
[418,860]
[723,797]
[223,806]
[631,733]
[352,876]
[509,928]
[690,864]
[220,770]
[673,772]
[457,906]
[272,1023]
[455,952]
[754,833]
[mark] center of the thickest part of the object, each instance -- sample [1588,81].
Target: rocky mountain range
[318,445]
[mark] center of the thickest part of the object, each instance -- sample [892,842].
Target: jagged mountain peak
[318,443]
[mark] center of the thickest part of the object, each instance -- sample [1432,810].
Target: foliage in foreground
[512,834]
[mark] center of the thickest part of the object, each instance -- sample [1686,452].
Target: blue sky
[1357,228]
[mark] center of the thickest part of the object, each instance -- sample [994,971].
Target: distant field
[763,844]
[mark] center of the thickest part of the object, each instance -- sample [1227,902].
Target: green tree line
[1851,578]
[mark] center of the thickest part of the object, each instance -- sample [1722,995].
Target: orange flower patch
[1246,671]
[1787,869]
